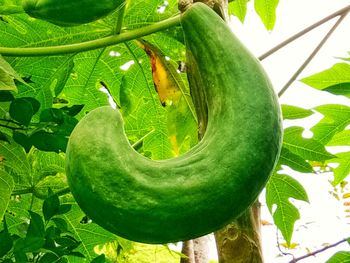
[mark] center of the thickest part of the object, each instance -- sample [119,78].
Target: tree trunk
[239,242]
[196,250]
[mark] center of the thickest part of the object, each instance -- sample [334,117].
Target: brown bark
[239,242]
[196,250]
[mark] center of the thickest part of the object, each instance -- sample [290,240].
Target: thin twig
[318,251]
[304,31]
[312,55]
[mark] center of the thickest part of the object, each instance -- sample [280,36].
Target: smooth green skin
[204,189]
[70,12]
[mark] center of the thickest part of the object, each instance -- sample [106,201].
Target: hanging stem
[319,251]
[93,44]
[304,31]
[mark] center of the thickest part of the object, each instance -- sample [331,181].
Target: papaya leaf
[292,112]
[339,89]
[341,138]
[15,160]
[6,188]
[138,14]
[343,168]
[337,74]
[266,9]
[85,231]
[336,118]
[294,161]
[309,149]
[175,97]
[7,76]
[340,257]
[6,82]
[238,8]
[279,190]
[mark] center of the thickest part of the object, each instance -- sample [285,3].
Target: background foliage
[43,98]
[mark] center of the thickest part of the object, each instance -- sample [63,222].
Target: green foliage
[266,9]
[32,139]
[279,190]
[340,257]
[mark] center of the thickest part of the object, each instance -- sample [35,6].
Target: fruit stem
[93,44]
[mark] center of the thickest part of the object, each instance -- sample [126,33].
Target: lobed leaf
[309,149]
[336,118]
[279,190]
[343,168]
[294,161]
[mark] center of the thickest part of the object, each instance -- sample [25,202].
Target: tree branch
[313,54]
[304,31]
[93,44]
[318,251]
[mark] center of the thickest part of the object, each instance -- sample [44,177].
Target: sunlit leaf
[307,148]
[238,8]
[340,138]
[339,89]
[336,119]
[337,74]
[294,161]
[292,112]
[267,12]
[279,190]
[343,169]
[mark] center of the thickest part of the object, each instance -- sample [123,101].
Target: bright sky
[323,220]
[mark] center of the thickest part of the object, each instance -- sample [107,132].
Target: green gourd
[161,201]
[70,12]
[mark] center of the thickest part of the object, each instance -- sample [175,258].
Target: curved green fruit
[204,189]
[70,12]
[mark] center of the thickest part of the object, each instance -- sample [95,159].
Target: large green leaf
[89,233]
[294,161]
[6,187]
[336,118]
[279,190]
[337,74]
[307,148]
